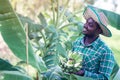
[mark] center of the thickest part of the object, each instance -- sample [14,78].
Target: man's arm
[106,67]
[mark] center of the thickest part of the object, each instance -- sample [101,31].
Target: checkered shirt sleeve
[106,66]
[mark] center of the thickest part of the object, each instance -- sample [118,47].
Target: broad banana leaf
[113,18]
[115,71]
[53,73]
[10,72]
[61,51]
[5,65]
[14,35]
[117,76]
[13,75]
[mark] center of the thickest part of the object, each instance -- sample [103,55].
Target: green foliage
[115,71]
[13,75]
[8,71]
[49,40]
[6,66]
[14,35]
[51,60]
[46,39]
[53,73]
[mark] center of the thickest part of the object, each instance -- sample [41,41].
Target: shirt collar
[93,44]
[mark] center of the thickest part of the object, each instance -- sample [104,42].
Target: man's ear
[100,31]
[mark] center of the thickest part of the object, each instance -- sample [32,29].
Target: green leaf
[10,72]
[41,64]
[5,65]
[50,29]
[42,19]
[50,60]
[68,44]
[61,51]
[117,77]
[13,75]
[14,35]
[53,74]
[33,27]
[114,72]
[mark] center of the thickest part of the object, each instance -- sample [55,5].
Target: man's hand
[80,72]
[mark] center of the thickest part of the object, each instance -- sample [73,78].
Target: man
[98,59]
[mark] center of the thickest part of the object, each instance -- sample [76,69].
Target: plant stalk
[27,56]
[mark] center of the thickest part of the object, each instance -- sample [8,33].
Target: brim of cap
[91,13]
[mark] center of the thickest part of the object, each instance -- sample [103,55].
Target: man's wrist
[81,72]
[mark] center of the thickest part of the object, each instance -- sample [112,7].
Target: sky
[108,5]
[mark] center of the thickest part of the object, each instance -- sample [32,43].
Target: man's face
[90,28]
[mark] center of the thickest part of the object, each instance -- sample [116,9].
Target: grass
[114,43]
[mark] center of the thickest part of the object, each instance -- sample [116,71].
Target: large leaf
[53,74]
[51,60]
[31,24]
[13,34]
[10,72]
[41,64]
[61,51]
[117,77]
[5,65]
[13,75]
[42,19]
[56,73]
[115,71]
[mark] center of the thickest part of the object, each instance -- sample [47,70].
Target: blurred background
[31,9]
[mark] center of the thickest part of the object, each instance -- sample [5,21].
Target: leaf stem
[27,55]
[57,18]
[53,12]
[43,39]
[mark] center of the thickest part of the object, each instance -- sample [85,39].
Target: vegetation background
[32,8]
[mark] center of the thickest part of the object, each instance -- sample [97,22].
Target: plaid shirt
[98,60]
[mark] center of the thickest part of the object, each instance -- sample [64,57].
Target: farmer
[98,59]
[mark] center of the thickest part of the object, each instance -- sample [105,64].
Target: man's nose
[85,25]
